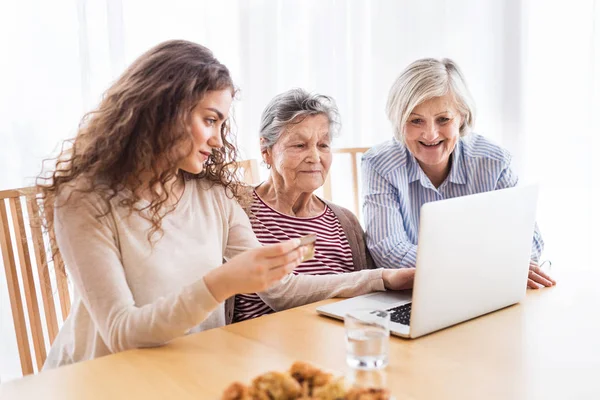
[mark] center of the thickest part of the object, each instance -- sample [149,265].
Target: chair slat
[33,310]
[354,153]
[61,279]
[43,272]
[327,188]
[355,183]
[59,272]
[14,292]
[251,174]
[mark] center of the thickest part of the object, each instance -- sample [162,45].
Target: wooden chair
[353,154]
[24,254]
[249,171]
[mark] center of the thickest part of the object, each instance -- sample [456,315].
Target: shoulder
[386,156]
[346,217]
[82,196]
[213,192]
[477,147]
[220,200]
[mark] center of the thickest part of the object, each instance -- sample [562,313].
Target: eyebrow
[443,112]
[219,113]
[304,135]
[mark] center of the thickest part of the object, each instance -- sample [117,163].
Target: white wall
[532,67]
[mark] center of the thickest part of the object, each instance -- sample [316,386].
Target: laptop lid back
[473,256]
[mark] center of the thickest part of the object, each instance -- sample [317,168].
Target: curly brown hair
[137,127]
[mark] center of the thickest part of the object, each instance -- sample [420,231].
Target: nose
[313,155]
[215,140]
[429,132]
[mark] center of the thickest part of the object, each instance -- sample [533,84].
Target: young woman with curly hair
[146,211]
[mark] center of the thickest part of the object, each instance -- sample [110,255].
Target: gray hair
[425,79]
[292,107]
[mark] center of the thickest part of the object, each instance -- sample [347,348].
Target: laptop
[472,258]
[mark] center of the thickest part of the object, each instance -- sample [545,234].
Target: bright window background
[533,68]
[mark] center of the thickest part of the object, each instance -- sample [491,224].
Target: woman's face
[205,122]
[432,130]
[302,156]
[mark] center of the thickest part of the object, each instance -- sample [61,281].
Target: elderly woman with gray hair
[433,156]
[295,139]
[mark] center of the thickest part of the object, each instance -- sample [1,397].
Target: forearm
[297,290]
[159,322]
[393,254]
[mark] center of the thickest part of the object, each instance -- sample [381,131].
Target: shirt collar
[414,169]
[457,170]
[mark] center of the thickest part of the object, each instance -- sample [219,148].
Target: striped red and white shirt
[333,254]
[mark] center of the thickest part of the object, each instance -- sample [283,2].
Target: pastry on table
[302,382]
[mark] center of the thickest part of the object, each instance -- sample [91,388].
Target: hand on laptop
[398,279]
[538,277]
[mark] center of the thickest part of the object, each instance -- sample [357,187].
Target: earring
[266,164]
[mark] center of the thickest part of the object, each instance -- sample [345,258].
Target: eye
[299,146]
[324,145]
[211,121]
[416,121]
[443,120]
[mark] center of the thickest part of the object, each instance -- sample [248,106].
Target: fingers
[544,275]
[398,279]
[285,259]
[532,285]
[279,249]
[276,274]
[538,276]
[538,270]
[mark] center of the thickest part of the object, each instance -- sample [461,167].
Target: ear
[266,154]
[463,121]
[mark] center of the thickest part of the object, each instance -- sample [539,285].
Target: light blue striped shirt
[395,188]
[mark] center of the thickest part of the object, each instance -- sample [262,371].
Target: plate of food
[301,382]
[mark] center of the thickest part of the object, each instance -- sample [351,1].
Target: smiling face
[431,132]
[302,156]
[205,123]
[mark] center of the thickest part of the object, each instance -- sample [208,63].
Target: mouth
[431,145]
[205,154]
[310,172]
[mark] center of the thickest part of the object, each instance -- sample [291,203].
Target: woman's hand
[537,277]
[398,279]
[254,270]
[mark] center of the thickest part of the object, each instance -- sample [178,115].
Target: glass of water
[367,338]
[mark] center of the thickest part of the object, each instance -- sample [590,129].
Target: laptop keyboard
[401,314]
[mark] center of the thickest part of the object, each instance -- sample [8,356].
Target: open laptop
[472,258]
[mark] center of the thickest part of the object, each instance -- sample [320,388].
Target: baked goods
[302,382]
[367,394]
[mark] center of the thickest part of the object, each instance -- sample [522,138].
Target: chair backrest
[353,154]
[249,171]
[24,255]
[25,251]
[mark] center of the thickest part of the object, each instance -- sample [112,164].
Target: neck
[437,174]
[289,201]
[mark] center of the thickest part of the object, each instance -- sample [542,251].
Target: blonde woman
[433,156]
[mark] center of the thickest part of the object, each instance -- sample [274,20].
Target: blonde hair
[425,79]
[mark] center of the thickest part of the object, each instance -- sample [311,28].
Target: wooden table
[544,348]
